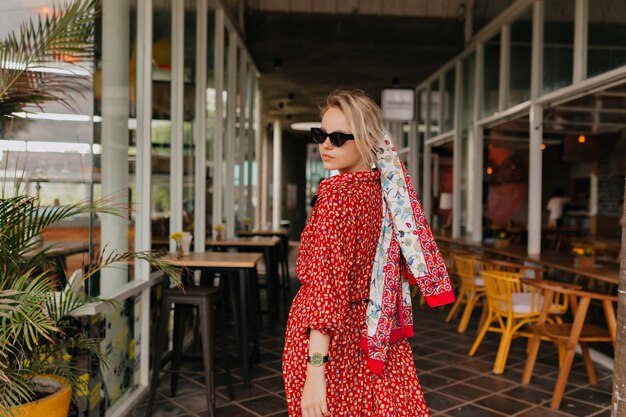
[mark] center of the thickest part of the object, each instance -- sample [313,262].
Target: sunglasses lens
[337,139]
[318,135]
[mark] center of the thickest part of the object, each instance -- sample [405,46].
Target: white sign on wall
[398,104]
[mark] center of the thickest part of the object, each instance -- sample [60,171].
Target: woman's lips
[327,157]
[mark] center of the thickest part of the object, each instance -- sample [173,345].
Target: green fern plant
[37,327]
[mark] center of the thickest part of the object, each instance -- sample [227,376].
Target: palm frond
[107,258]
[66,35]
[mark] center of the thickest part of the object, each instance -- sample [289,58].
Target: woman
[345,348]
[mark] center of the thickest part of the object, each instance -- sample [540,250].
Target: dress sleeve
[325,266]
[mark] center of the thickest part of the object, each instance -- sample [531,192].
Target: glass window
[491,77]
[558,38]
[50,147]
[433,122]
[505,182]
[442,185]
[520,63]
[606,36]
[448,100]
[161,125]
[189,115]
[469,70]
[210,116]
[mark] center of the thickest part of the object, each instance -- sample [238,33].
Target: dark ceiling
[321,52]
[367,44]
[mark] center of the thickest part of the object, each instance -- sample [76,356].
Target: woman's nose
[326,144]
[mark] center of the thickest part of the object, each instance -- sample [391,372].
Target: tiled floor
[454,384]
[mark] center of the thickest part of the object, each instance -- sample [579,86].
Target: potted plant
[584,257]
[219,232]
[38,335]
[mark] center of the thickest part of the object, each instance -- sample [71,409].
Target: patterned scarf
[406,254]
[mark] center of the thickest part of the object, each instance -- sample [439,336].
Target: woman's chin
[328,165]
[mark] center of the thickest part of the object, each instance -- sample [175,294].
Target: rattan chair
[510,306]
[471,288]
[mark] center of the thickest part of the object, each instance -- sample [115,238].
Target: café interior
[195,114]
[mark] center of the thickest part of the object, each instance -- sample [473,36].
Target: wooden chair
[510,306]
[569,335]
[471,289]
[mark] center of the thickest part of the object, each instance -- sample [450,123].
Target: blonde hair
[364,117]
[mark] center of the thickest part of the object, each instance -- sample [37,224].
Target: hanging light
[489,170]
[543,146]
[582,139]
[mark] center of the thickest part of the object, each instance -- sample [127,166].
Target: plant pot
[584,261]
[56,404]
[501,243]
[185,243]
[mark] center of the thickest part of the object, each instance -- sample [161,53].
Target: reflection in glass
[469,69]
[558,38]
[189,115]
[443,181]
[448,100]
[505,182]
[521,48]
[491,77]
[210,115]
[161,125]
[434,122]
[606,36]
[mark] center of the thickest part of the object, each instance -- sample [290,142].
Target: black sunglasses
[336,138]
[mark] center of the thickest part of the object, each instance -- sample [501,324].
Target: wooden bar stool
[206,299]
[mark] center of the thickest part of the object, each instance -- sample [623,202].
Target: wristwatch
[317,359]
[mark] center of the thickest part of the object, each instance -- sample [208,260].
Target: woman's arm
[314,393]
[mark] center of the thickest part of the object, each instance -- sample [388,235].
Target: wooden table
[283,234]
[269,247]
[244,264]
[608,273]
[58,253]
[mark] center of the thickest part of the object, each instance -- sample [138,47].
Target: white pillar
[457,156]
[143,176]
[115,62]
[534,179]
[264,179]
[252,154]
[477,179]
[200,157]
[276,177]
[231,135]
[476,174]
[242,137]
[176,113]
[426,165]
[505,71]
[218,143]
[580,41]
[427,185]
[261,173]
[536,67]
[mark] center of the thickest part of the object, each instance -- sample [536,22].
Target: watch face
[317,359]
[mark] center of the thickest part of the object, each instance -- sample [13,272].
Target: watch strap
[317,359]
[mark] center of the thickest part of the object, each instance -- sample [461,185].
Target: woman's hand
[314,394]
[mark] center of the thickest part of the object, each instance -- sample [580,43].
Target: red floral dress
[334,264]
